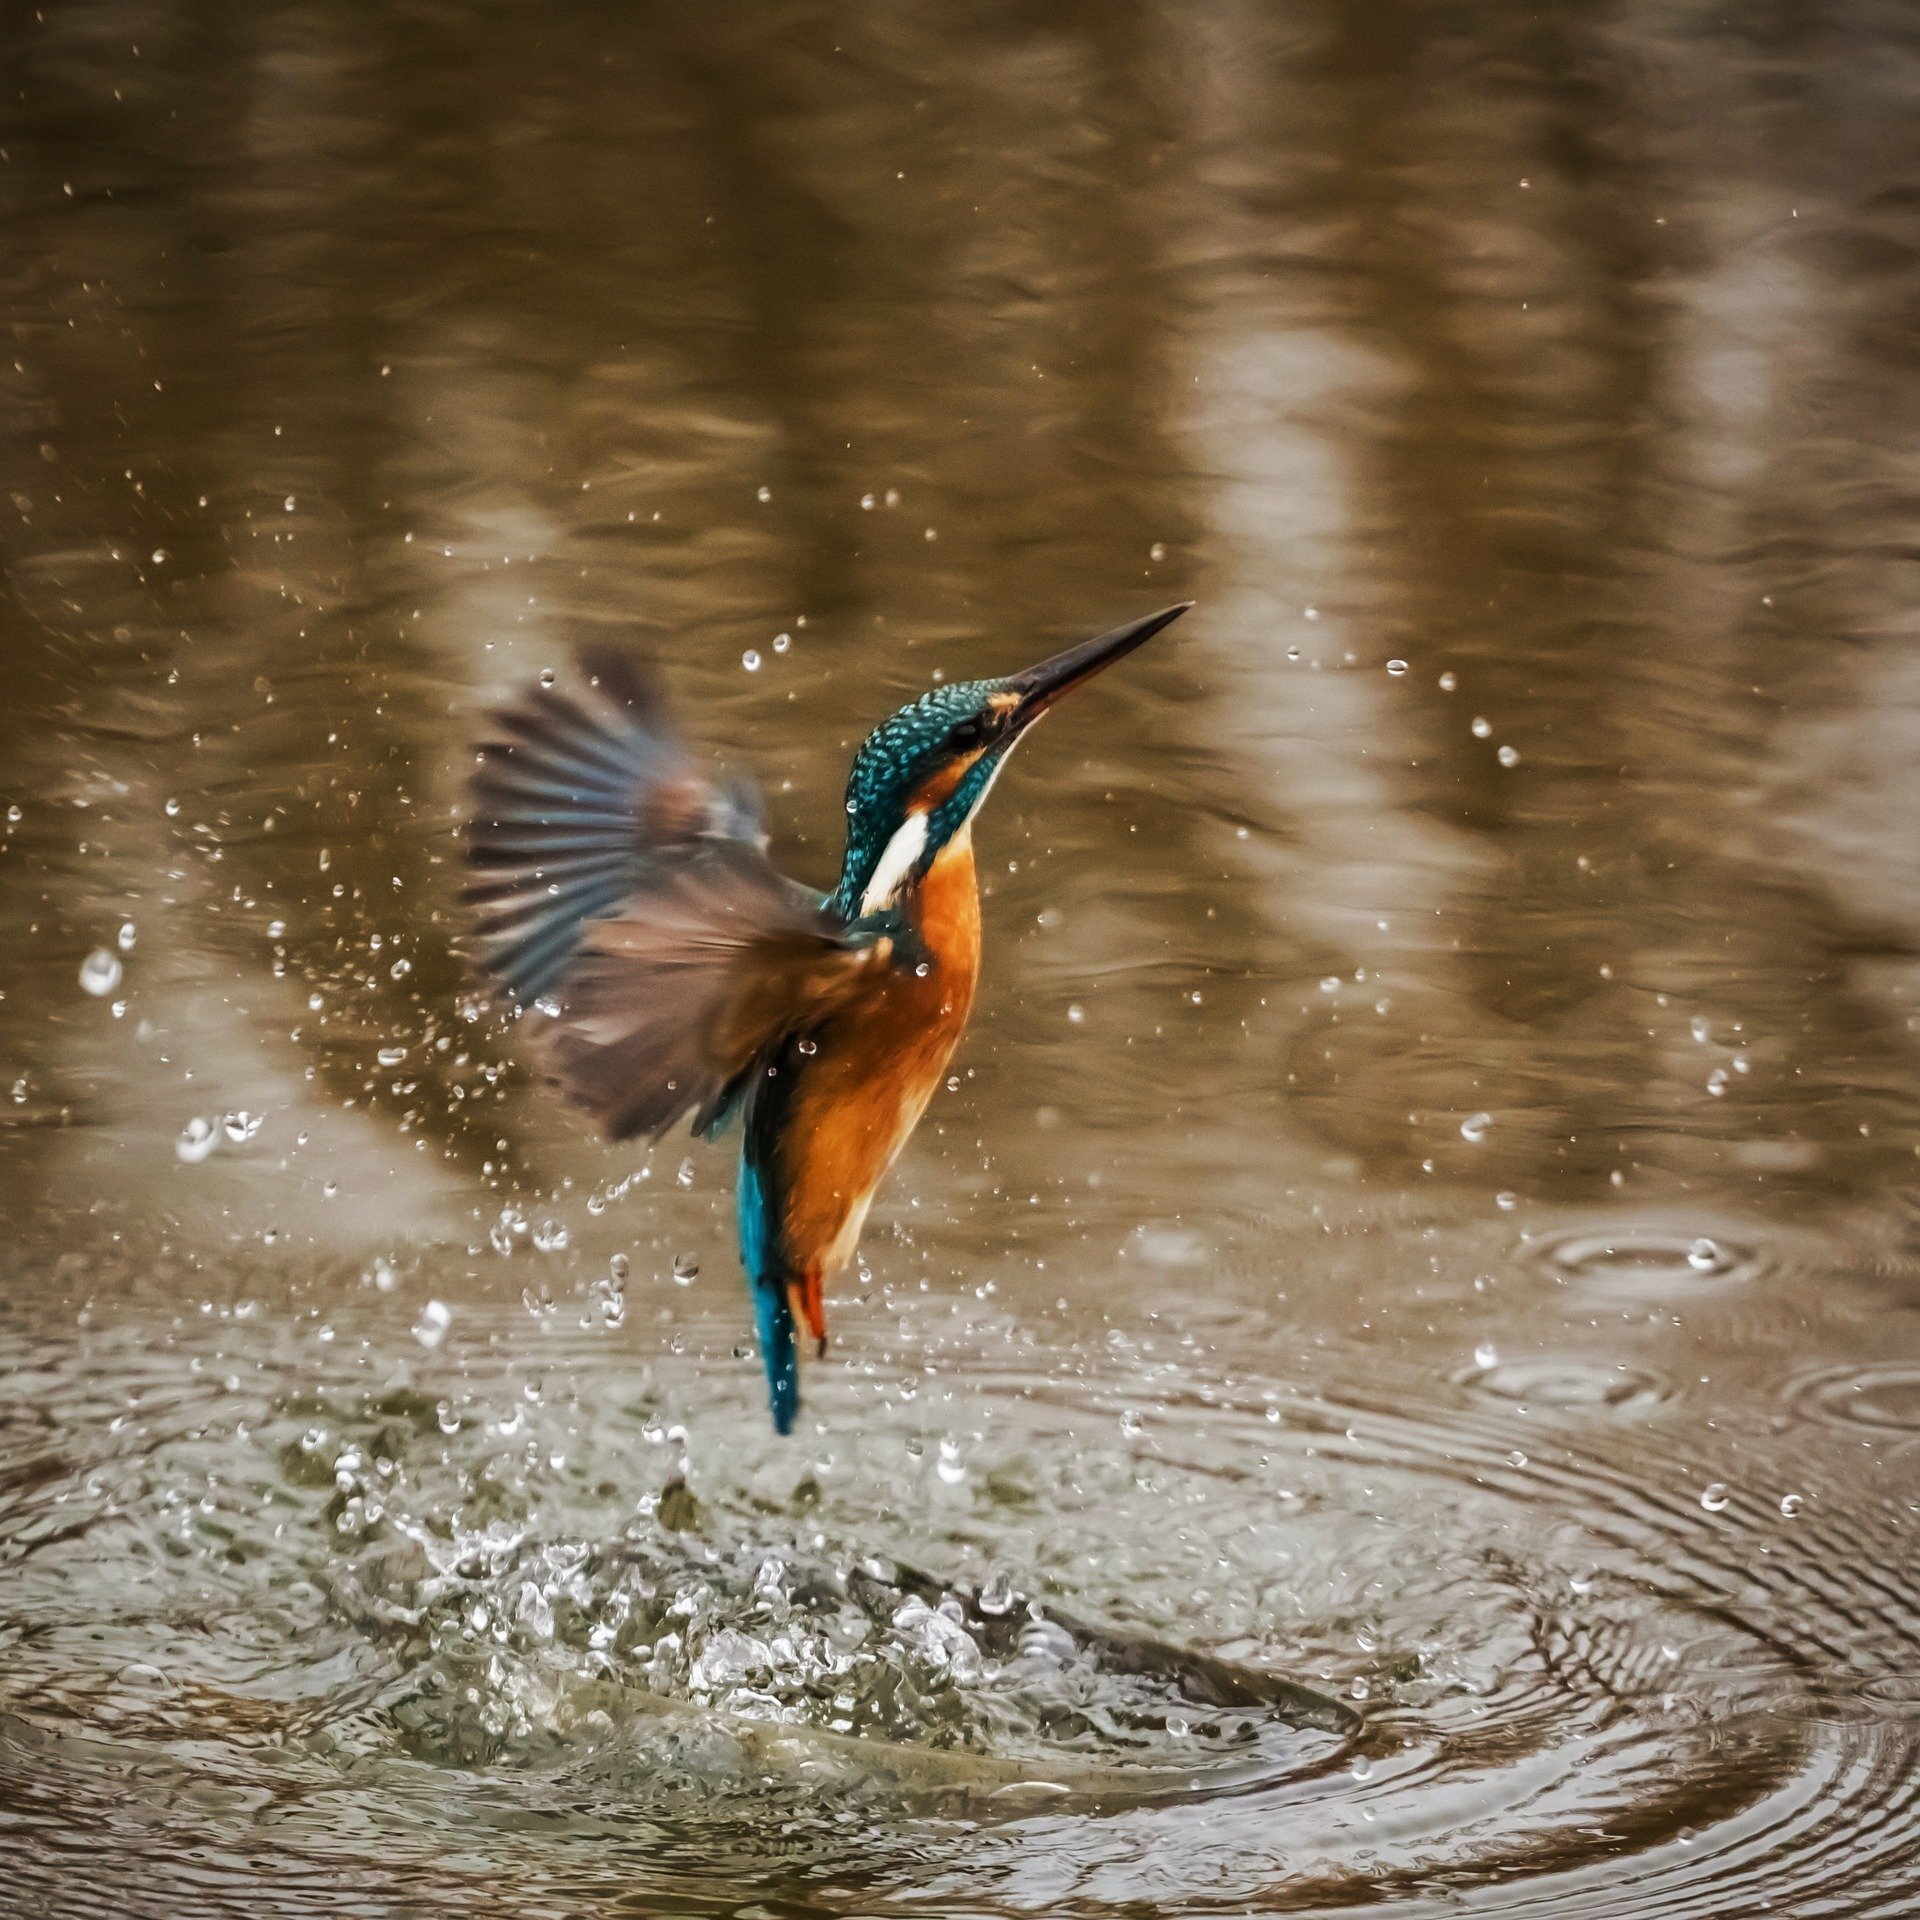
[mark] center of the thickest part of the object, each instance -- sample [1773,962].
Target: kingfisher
[626,904]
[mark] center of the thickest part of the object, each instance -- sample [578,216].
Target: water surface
[1390,1375]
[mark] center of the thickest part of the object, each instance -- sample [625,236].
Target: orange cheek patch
[944,784]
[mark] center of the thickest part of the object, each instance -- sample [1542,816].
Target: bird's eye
[967,735]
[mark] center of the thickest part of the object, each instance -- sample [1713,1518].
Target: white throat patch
[909,842]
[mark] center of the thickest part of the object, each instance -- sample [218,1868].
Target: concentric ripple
[1650,1260]
[1883,1396]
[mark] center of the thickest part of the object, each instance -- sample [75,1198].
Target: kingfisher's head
[920,777]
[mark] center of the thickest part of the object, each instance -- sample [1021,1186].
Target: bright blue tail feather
[771,1313]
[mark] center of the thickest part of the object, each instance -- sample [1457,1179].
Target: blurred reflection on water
[1518,843]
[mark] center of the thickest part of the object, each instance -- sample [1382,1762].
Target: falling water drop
[1473,1128]
[100,973]
[686,1269]
[431,1328]
[1714,1497]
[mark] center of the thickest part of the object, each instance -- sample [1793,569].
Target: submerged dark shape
[629,902]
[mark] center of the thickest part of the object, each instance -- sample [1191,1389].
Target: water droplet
[750,660]
[242,1126]
[125,938]
[1486,1356]
[400,969]
[1704,1255]
[1157,551]
[391,1056]
[1517,1458]
[866,502]
[1714,1497]
[1076,1013]
[198,1138]
[1790,1504]
[996,1597]
[808,1047]
[763,495]
[1396,668]
[550,1236]
[289,503]
[1448,682]
[431,1328]
[1700,1027]
[1481,726]
[950,1467]
[1132,1422]
[684,1178]
[1508,756]
[547,676]
[608,1296]
[1506,1200]
[686,1269]
[100,972]
[384,1274]
[1473,1128]
[782,641]
[1717,1082]
[173,807]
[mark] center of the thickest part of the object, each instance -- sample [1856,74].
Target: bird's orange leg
[807,1297]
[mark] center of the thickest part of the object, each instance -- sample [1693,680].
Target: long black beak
[1039,687]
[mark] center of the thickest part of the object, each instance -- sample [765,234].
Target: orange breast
[877,1067]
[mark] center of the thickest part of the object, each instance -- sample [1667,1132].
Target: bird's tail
[778,1353]
[772,1313]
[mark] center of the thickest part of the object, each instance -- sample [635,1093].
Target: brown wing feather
[682,990]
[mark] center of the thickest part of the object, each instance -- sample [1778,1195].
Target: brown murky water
[1427,1211]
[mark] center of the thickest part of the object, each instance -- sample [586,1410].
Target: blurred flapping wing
[632,904]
